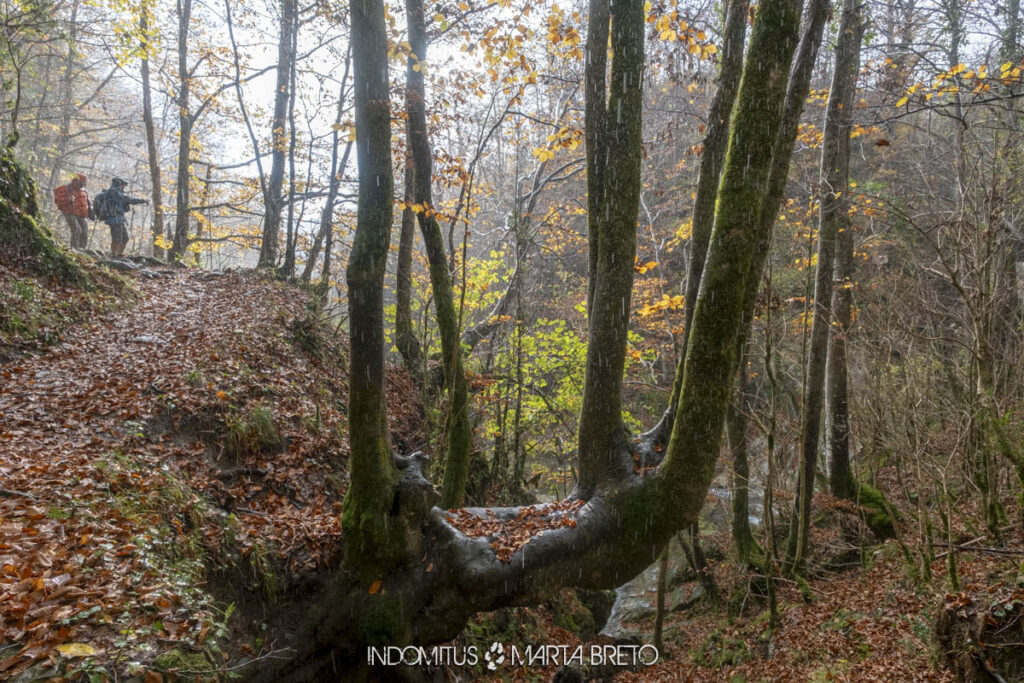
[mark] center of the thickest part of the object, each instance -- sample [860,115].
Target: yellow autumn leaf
[77,650]
[901,101]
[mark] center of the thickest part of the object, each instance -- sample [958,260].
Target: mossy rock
[26,239]
[721,650]
[877,512]
[570,613]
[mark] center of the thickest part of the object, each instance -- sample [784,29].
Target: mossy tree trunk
[460,440]
[837,402]
[711,348]
[832,190]
[432,577]
[26,240]
[716,141]
[614,126]
[372,472]
[405,337]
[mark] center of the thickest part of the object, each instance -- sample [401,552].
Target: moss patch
[25,237]
[251,433]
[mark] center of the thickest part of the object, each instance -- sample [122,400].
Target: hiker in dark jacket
[116,205]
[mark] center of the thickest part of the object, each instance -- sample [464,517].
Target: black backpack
[103,206]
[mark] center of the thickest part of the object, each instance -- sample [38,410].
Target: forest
[499,340]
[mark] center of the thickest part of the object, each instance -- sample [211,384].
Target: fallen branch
[967,545]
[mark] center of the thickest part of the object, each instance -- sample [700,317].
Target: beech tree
[412,572]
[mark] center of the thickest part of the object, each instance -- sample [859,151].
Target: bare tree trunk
[241,100]
[67,98]
[182,199]
[457,425]
[333,185]
[844,86]
[832,191]
[291,234]
[405,337]
[279,144]
[153,156]
[747,550]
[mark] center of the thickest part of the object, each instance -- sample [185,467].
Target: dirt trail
[115,490]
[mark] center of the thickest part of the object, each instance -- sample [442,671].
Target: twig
[968,544]
[249,511]
[996,551]
[7,493]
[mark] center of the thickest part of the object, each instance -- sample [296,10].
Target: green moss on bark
[711,352]
[25,237]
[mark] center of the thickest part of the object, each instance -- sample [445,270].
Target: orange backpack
[62,198]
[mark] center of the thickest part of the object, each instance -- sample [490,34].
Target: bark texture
[832,187]
[613,131]
[837,410]
[279,141]
[405,337]
[457,425]
[152,155]
[182,204]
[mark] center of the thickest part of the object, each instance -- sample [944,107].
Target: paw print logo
[495,656]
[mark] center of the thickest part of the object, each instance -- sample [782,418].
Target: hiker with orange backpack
[73,202]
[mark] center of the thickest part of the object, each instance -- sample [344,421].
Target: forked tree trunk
[410,576]
[613,132]
[732,270]
[457,425]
